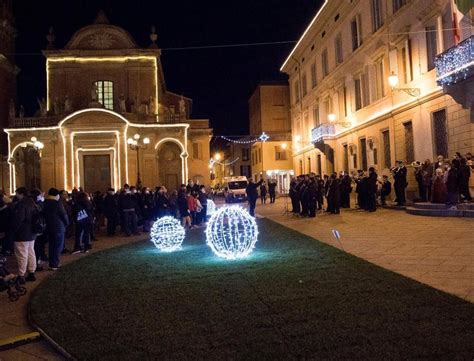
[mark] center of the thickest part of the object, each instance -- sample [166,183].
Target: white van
[234,189]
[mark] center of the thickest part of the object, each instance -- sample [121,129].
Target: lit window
[105,93]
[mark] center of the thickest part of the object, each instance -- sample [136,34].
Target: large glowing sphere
[231,232]
[167,234]
[211,207]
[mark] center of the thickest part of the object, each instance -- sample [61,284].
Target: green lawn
[294,298]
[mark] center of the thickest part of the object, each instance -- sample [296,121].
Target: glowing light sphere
[167,234]
[231,232]
[211,207]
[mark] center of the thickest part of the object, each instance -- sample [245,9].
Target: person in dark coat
[252,194]
[161,203]
[5,227]
[56,225]
[361,189]
[400,182]
[303,196]
[263,193]
[82,215]
[42,238]
[293,193]
[333,194]
[465,175]
[371,190]
[311,193]
[202,196]
[147,206]
[128,207]
[111,211]
[346,189]
[452,180]
[321,193]
[385,190]
[24,213]
[272,184]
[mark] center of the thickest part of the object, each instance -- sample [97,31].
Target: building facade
[107,119]
[8,73]
[364,88]
[269,113]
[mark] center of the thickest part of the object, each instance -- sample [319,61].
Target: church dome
[101,36]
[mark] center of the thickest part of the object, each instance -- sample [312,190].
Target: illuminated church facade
[107,119]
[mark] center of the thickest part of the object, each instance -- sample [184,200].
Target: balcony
[456,64]
[322,132]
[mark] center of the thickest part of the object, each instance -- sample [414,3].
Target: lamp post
[393,81]
[135,144]
[37,146]
[263,138]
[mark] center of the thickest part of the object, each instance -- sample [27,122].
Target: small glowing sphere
[232,232]
[211,207]
[167,234]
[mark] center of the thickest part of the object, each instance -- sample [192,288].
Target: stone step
[425,205]
[440,212]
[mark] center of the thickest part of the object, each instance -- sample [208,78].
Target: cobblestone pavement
[13,315]
[437,251]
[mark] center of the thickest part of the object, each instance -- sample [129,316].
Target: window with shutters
[314,76]
[379,79]
[356,32]
[377,18]
[363,153]
[325,62]
[409,142]
[346,158]
[387,156]
[304,84]
[338,49]
[440,132]
[358,94]
[431,46]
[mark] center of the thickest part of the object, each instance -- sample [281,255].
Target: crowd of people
[438,182]
[34,226]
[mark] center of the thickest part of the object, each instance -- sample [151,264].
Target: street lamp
[393,82]
[37,146]
[136,145]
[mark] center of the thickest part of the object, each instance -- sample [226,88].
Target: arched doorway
[170,165]
[27,167]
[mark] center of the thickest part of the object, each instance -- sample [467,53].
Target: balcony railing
[322,132]
[456,63]
[31,122]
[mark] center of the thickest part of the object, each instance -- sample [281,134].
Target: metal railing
[456,63]
[321,132]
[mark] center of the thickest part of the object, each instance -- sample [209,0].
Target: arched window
[105,93]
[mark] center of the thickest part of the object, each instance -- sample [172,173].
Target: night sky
[219,80]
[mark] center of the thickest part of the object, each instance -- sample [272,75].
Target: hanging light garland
[261,138]
[232,233]
[167,234]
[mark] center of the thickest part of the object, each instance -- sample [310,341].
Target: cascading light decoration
[211,207]
[232,232]
[167,234]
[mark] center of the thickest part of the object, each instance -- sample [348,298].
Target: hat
[53,192]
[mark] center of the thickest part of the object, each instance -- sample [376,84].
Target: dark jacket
[110,205]
[372,183]
[202,198]
[128,201]
[55,216]
[24,212]
[251,190]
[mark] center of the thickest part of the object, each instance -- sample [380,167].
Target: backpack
[38,223]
